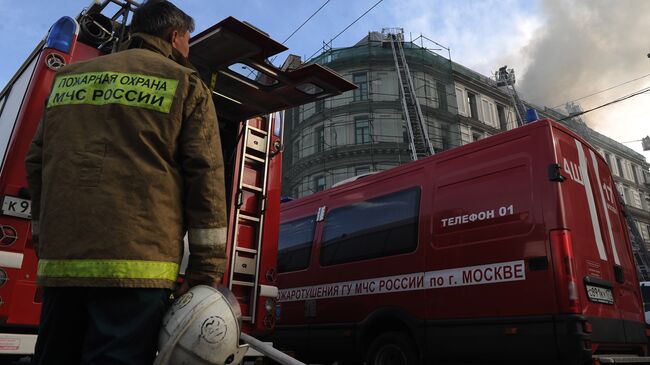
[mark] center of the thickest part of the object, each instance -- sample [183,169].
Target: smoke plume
[586,46]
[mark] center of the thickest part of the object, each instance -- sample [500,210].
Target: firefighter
[125,161]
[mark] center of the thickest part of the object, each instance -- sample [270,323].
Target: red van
[512,249]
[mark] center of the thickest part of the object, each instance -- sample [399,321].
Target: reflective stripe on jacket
[126,160]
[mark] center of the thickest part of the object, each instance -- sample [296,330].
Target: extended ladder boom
[419,142]
[641,254]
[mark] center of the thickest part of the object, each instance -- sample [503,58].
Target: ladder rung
[249,218]
[246,318]
[251,187]
[254,158]
[257,130]
[247,250]
[243,283]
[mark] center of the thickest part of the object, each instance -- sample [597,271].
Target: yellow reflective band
[100,88]
[108,269]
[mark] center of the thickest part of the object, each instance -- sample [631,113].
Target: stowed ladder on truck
[231,57]
[250,206]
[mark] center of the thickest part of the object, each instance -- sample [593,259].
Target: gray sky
[561,49]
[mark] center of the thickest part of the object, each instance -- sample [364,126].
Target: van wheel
[392,348]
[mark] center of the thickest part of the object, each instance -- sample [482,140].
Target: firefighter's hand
[187,284]
[182,289]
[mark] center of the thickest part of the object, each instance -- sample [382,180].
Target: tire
[392,348]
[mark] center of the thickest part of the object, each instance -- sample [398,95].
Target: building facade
[364,130]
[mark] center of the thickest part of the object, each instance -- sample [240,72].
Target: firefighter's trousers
[116,326]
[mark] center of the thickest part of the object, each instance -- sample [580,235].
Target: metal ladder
[641,254]
[249,215]
[419,142]
[506,78]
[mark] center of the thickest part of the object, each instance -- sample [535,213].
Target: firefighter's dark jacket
[126,159]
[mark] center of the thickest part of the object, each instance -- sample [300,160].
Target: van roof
[441,156]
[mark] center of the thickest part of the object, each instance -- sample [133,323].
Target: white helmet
[202,328]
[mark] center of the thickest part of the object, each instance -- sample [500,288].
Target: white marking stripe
[11,260]
[207,236]
[268,291]
[463,276]
[17,344]
[605,210]
[590,200]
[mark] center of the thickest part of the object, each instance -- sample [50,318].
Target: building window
[361,80]
[637,176]
[442,96]
[319,183]
[446,136]
[362,170]
[619,167]
[476,136]
[294,244]
[461,101]
[501,114]
[296,115]
[361,130]
[378,227]
[319,136]
[319,106]
[296,151]
[473,108]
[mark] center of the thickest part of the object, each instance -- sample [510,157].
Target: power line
[305,22]
[346,28]
[299,27]
[602,91]
[642,91]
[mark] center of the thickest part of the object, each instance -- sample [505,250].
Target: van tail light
[565,271]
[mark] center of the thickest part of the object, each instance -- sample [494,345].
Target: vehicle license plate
[17,207]
[600,295]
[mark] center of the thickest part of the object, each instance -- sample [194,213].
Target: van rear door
[605,272]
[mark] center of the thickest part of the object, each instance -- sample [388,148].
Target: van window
[295,242]
[378,227]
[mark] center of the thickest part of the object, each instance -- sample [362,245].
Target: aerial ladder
[641,254]
[506,78]
[419,142]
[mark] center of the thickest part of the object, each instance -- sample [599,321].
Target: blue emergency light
[62,34]
[531,115]
[285,199]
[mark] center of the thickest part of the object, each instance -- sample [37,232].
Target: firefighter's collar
[157,44]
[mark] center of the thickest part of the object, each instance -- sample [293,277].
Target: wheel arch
[386,320]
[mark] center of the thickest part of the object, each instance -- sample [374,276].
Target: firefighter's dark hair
[160,18]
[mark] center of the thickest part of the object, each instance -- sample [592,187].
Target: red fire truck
[249,93]
[512,249]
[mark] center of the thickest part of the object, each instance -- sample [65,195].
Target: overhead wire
[602,91]
[300,27]
[636,93]
[306,21]
[346,28]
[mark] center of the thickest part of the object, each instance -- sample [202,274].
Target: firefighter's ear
[180,41]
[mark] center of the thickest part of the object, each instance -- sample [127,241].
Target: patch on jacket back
[100,88]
